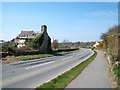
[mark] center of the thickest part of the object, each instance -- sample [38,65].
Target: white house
[96,44]
[23,36]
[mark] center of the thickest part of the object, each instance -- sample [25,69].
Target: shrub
[116,70]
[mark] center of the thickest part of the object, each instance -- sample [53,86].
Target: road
[94,76]
[32,73]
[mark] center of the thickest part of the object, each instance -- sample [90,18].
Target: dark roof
[26,33]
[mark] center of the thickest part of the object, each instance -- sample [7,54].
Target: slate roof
[26,34]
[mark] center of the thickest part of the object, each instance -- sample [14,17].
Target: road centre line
[39,65]
[67,57]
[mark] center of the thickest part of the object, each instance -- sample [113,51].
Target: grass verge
[66,52]
[63,80]
[10,59]
[116,70]
[28,57]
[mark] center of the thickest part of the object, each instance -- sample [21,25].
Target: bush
[116,70]
[22,49]
[111,40]
[36,42]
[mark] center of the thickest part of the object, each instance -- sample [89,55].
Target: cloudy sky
[73,21]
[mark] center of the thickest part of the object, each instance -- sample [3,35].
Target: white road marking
[39,65]
[67,57]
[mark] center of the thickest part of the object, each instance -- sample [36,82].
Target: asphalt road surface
[32,73]
[94,76]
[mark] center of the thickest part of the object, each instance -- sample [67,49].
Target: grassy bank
[116,70]
[27,57]
[63,80]
[9,59]
[65,52]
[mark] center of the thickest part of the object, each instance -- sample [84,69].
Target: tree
[65,43]
[104,38]
[36,42]
[8,46]
[55,44]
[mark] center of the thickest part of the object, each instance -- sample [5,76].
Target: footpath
[95,75]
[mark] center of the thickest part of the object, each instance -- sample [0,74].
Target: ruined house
[44,39]
[23,37]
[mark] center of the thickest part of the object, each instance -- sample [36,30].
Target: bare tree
[55,44]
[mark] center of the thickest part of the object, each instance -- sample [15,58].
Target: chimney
[43,28]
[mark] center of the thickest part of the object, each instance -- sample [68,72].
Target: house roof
[26,34]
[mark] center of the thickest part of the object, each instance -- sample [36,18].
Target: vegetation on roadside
[63,80]
[66,52]
[111,45]
[35,56]
[27,57]
[116,71]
